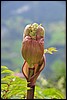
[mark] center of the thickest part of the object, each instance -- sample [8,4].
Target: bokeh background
[15,15]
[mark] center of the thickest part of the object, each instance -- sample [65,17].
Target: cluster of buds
[34,31]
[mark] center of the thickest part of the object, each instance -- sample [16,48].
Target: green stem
[30,92]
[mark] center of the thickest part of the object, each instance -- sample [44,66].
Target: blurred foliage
[14,87]
[57,33]
[11,51]
[58,69]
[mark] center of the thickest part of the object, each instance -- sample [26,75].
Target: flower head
[33,43]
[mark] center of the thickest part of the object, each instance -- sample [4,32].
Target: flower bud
[33,43]
[26,30]
[40,32]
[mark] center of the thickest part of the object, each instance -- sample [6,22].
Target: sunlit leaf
[50,50]
[7,71]
[4,67]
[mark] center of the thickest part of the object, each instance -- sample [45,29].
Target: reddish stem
[30,92]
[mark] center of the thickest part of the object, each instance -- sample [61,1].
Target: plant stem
[30,92]
[39,65]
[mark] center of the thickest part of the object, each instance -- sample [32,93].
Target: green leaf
[7,71]
[3,87]
[38,93]
[50,50]
[7,79]
[53,93]
[4,67]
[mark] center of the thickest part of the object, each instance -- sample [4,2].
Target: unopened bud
[33,43]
